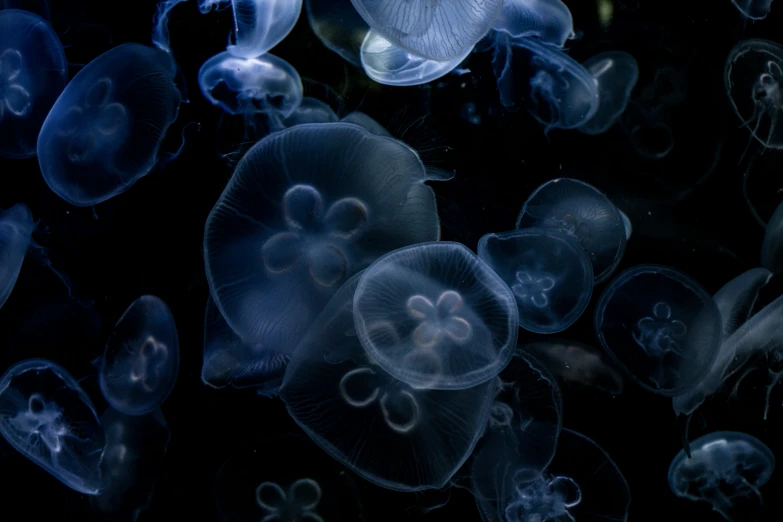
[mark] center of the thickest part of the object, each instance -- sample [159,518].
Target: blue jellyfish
[772,247]
[339,27]
[616,73]
[435,315]
[726,468]
[577,364]
[48,418]
[310,110]
[626,224]
[411,438]
[548,20]
[33,73]
[105,129]
[259,25]
[549,273]
[661,326]
[753,9]
[16,227]
[141,361]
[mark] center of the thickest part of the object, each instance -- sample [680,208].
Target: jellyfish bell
[616,73]
[16,228]
[753,9]
[548,20]
[259,25]
[339,27]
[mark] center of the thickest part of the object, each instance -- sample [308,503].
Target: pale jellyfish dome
[306,208]
[435,315]
[260,25]
[548,20]
[616,73]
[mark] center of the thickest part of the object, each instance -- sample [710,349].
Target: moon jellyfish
[626,224]
[616,73]
[16,227]
[306,208]
[105,129]
[435,315]
[752,77]
[583,212]
[661,326]
[141,360]
[548,20]
[339,27]
[362,120]
[735,300]
[753,9]
[575,363]
[33,73]
[772,247]
[410,438]
[48,418]
[549,273]
[310,110]
[259,25]
[436,30]
[727,470]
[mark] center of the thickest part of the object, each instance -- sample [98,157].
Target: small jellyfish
[753,9]
[726,469]
[141,360]
[616,73]
[549,273]
[33,73]
[16,227]
[661,326]
[578,364]
[259,25]
[470,113]
[436,315]
[548,20]
[310,110]
[104,132]
[339,27]
[47,417]
[583,212]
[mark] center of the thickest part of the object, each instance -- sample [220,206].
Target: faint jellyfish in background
[549,273]
[772,247]
[141,361]
[310,110]
[259,25]
[362,120]
[132,461]
[470,113]
[33,73]
[753,9]
[736,299]
[616,73]
[584,213]
[16,227]
[299,502]
[38,7]
[626,224]
[412,438]
[727,470]
[548,20]
[48,418]
[577,364]
[661,326]
[435,315]
[339,27]
[104,132]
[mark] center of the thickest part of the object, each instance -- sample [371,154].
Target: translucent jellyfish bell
[310,110]
[435,315]
[339,27]
[583,212]
[661,326]
[753,78]
[548,20]
[48,418]
[105,129]
[16,227]
[549,273]
[441,31]
[616,73]
[33,73]
[753,9]
[412,438]
[259,25]
[726,468]
[141,360]
[578,364]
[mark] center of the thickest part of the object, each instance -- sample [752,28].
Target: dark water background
[688,211]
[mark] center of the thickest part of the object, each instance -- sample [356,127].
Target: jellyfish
[104,131]
[310,110]
[583,212]
[409,438]
[306,208]
[661,326]
[727,468]
[16,227]
[772,247]
[753,9]
[33,73]
[39,7]
[735,300]
[616,73]
[339,27]
[259,25]
[435,30]
[548,20]
[362,120]
[626,224]
[47,417]
[549,273]
[141,360]
[577,364]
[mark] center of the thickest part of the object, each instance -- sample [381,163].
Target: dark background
[688,211]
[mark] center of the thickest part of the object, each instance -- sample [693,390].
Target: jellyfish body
[339,27]
[105,129]
[412,438]
[310,110]
[583,212]
[33,73]
[626,224]
[141,360]
[48,418]
[661,326]
[16,227]
[724,468]
[576,363]
[772,247]
[616,73]
[259,25]
[753,9]
[549,273]
[548,20]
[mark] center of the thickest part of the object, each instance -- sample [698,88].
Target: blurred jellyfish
[753,9]
[772,247]
[583,212]
[105,129]
[548,20]
[626,224]
[362,120]
[736,299]
[616,73]
[141,361]
[259,25]
[48,418]
[411,438]
[339,27]
[661,326]
[33,73]
[577,364]
[16,227]
[727,469]
[435,315]
[549,273]
[470,113]
[306,208]
[39,7]
[310,110]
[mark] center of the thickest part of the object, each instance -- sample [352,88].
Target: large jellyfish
[548,20]
[16,226]
[393,434]
[47,417]
[435,315]
[33,73]
[616,73]
[105,129]
[259,25]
